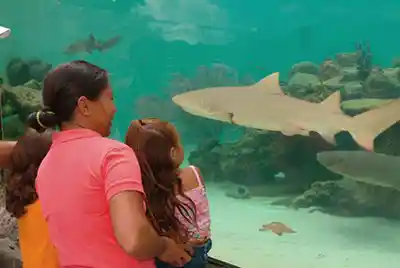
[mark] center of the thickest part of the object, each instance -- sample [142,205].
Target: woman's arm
[132,229]
[124,190]
[6,148]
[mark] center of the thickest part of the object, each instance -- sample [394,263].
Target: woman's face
[100,112]
[107,106]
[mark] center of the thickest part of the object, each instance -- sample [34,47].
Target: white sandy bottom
[321,240]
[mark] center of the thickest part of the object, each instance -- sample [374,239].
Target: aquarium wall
[273,202]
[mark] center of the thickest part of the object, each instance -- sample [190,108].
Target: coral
[17,72]
[364,62]
[262,155]
[18,103]
[349,198]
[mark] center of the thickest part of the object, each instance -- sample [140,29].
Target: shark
[91,44]
[264,106]
[367,167]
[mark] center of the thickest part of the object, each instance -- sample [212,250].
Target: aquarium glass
[275,199]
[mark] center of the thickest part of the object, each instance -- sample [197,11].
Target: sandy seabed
[321,241]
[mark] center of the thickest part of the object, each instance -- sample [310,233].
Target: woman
[21,200]
[89,186]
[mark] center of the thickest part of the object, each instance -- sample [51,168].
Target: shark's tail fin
[367,126]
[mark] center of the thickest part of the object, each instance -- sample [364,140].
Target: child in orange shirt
[22,201]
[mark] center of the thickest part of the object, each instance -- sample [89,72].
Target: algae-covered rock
[20,71]
[329,69]
[305,67]
[348,59]
[396,62]
[24,99]
[17,72]
[378,85]
[353,90]
[362,105]
[8,108]
[38,69]
[257,157]
[349,74]
[334,83]
[349,198]
[13,127]
[33,84]
[303,80]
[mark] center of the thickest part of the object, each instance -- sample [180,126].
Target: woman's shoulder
[114,145]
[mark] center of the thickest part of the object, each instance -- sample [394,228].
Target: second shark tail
[367,126]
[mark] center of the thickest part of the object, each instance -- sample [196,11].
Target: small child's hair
[26,157]
[152,140]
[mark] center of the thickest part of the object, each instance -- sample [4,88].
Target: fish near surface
[265,106]
[367,167]
[86,45]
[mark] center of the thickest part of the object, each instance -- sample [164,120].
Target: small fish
[91,44]
[277,228]
[86,45]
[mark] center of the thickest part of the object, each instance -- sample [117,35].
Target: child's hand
[175,254]
[188,248]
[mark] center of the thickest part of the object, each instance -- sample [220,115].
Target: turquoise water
[169,47]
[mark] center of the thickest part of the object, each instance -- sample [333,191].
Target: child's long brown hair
[152,141]
[26,157]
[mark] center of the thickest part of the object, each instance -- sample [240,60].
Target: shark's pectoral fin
[223,115]
[270,84]
[332,103]
[329,137]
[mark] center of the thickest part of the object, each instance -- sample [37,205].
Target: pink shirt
[199,197]
[75,182]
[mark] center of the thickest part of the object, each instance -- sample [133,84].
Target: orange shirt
[75,182]
[36,248]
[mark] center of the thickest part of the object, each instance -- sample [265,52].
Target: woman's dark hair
[152,140]
[26,157]
[62,87]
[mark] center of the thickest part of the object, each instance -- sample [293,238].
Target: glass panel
[274,203]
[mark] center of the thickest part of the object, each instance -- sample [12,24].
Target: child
[22,201]
[176,199]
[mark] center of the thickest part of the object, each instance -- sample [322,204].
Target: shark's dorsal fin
[270,84]
[332,103]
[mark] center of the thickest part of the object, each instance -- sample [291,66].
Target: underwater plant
[364,62]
